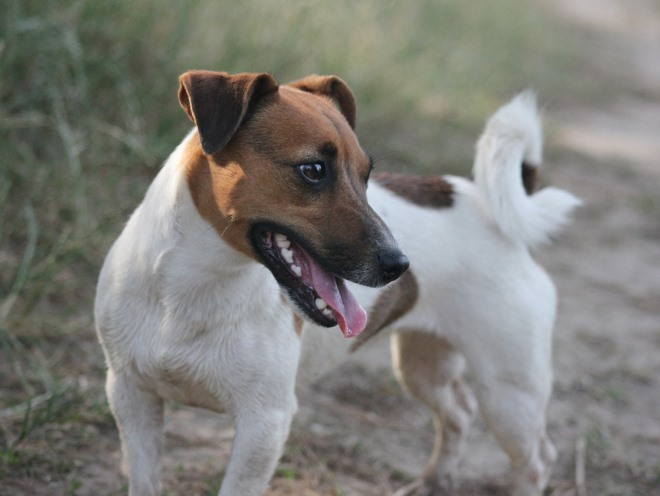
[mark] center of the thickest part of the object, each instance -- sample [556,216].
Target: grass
[88,112]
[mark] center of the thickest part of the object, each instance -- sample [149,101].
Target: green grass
[88,111]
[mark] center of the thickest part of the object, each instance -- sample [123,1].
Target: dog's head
[280,174]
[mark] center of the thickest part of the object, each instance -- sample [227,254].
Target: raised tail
[506,166]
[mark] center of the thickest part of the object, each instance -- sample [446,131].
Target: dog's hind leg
[516,417]
[512,384]
[431,370]
[139,417]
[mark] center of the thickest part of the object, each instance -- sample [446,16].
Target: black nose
[393,263]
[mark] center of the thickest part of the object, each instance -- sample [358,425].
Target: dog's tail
[505,172]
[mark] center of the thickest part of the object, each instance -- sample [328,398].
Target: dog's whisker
[230,221]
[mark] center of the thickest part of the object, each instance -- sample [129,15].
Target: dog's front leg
[139,416]
[262,391]
[260,437]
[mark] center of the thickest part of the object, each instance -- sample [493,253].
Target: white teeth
[327,312]
[283,244]
[282,241]
[287,255]
[320,303]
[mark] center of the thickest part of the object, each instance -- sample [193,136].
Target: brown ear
[217,102]
[333,87]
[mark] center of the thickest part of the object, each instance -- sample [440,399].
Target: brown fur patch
[211,195]
[433,191]
[530,177]
[218,102]
[253,179]
[334,88]
[424,361]
[298,322]
[392,303]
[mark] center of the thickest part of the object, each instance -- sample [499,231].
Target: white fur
[183,316]
[512,135]
[174,320]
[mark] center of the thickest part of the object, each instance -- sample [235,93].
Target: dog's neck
[188,251]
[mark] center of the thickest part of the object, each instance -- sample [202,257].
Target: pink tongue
[350,316]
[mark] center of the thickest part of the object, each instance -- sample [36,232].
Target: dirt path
[357,434]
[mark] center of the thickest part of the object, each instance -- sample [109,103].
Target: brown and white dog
[267,197]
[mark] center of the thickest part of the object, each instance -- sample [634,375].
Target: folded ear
[217,102]
[333,87]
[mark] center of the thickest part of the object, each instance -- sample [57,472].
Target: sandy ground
[358,434]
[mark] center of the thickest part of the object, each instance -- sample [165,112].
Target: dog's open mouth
[321,295]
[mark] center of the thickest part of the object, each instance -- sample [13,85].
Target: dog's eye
[312,173]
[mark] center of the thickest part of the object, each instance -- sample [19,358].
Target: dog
[260,230]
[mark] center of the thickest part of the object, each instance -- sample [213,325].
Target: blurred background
[88,113]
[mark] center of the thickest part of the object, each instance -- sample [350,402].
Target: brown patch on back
[530,177]
[433,191]
[393,303]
